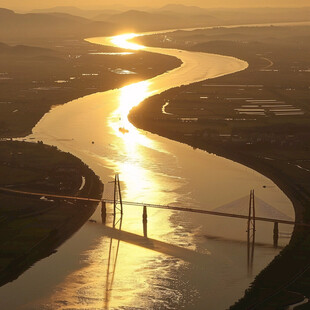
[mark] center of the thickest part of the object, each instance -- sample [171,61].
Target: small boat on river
[123,130]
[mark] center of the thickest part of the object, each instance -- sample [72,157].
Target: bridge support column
[103,212]
[117,196]
[144,218]
[275,234]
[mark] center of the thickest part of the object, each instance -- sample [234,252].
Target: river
[187,261]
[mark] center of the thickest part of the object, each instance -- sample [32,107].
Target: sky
[35,4]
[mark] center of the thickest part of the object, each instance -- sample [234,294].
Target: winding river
[186,261]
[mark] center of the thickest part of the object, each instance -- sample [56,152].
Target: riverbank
[64,70]
[259,118]
[33,227]
[294,258]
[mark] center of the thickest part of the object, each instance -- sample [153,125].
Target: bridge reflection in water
[116,235]
[112,259]
[252,210]
[176,251]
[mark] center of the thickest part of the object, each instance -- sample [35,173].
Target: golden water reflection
[133,266]
[149,173]
[130,96]
[121,41]
[117,273]
[140,184]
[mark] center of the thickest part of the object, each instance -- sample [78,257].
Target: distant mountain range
[175,8]
[60,22]
[77,11]
[139,20]
[72,22]
[184,9]
[15,26]
[180,16]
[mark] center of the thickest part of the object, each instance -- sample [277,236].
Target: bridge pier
[144,216]
[103,212]
[275,234]
[144,219]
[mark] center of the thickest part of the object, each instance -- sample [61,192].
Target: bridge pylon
[117,196]
[251,232]
[251,218]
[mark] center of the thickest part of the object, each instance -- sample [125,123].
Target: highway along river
[187,261]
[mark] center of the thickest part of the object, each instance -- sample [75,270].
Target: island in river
[258,117]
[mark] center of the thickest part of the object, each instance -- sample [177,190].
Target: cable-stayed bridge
[244,208]
[249,208]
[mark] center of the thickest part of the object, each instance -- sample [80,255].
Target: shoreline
[273,174]
[231,151]
[48,245]
[27,96]
[272,287]
[249,162]
[227,154]
[58,218]
[44,248]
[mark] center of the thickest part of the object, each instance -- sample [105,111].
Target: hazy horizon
[93,4]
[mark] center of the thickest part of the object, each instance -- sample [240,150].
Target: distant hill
[76,11]
[240,16]
[145,21]
[15,26]
[183,9]
[23,50]
[22,28]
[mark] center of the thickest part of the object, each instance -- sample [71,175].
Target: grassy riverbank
[33,227]
[258,117]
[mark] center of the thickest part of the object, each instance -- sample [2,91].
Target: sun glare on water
[133,143]
[121,41]
[129,97]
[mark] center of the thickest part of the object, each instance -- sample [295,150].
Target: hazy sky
[33,4]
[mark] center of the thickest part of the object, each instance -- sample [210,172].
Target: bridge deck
[192,210]
[174,208]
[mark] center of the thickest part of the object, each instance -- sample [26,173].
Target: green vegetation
[259,117]
[32,227]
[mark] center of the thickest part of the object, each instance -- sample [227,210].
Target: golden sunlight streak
[121,41]
[134,143]
[130,96]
